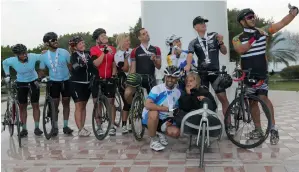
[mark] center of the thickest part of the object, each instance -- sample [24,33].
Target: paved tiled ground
[124,154]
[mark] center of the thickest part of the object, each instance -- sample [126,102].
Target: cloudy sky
[26,21]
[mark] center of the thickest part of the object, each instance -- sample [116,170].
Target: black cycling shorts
[148,82]
[108,88]
[207,79]
[58,88]
[23,92]
[161,122]
[80,92]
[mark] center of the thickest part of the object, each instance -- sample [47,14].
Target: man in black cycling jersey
[206,47]
[144,59]
[251,45]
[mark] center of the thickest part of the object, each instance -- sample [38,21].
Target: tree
[134,40]
[279,55]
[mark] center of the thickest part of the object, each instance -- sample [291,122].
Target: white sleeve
[117,57]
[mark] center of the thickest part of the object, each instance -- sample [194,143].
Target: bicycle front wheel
[136,117]
[10,118]
[118,107]
[101,118]
[18,122]
[202,144]
[49,117]
[247,122]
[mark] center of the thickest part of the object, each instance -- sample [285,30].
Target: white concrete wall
[163,18]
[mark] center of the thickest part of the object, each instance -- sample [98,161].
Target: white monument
[163,18]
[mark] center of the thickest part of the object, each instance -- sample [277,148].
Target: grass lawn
[286,86]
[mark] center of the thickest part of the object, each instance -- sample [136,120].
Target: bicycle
[136,109]
[101,111]
[12,114]
[49,111]
[118,103]
[241,104]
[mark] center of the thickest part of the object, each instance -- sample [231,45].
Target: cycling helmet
[75,40]
[134,80]
[48,36]
[97,33]
[173,37]
[19,49]
[244,13]
[223,81]
[172,71]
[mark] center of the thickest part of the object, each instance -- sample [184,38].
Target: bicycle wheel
[258,125]
[202,144]
[18,121]
[101,118]
[49,116]
[118,107]
[136,117]
[10,118]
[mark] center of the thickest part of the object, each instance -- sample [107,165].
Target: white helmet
[172,38]
[172,71]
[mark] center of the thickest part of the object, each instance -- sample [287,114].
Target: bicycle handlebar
[242,78]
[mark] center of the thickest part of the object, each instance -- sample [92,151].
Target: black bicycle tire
[267,113]
[11,127]
[49,101]
[137,137]
[202,144]
[117,95]
[18,122]
[105,102]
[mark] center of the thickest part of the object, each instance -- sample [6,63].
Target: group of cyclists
[71,73]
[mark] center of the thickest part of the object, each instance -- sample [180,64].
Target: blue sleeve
[6,64]
[177,99]
[153,94]
[42,62]
[67,56]
[34,56]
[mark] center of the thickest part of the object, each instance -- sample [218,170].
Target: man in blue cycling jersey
[57,61]
[24,64]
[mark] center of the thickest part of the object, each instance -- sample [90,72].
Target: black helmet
[172,71]
[134,80]
[199,20]
[48,36]
[244,13]
[75,40]
[19,48]
[223,81]
[97,33]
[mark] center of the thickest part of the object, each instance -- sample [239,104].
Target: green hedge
[291,72]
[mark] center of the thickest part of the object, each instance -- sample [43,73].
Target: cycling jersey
[106,67]
[162,96]
[180,61]
[82,67]
[25,71]
[57,63]
[120,57]
[142,56]
[255,58]
[213,50]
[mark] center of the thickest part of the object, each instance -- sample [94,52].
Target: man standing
[57,61]
[144,59]
[251,45]
[206,47]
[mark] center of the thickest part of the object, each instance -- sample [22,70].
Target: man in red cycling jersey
[104,61]
[144,59]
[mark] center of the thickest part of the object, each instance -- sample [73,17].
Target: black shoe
[38,132]
[67,130]
[55,132]
[24,133]
[274,137]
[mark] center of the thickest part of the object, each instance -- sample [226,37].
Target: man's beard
[52,46]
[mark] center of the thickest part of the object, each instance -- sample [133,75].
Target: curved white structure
[163,18]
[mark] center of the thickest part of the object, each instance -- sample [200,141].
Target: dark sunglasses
[53,40]
[249,17]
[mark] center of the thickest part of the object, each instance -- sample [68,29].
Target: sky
[26,21]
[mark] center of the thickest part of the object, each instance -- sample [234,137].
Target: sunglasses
[249,17]
[53,40]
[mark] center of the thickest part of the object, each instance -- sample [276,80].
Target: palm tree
[279,55]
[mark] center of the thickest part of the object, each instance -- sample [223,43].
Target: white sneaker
[84,133]
[100,131]
[129,127]
[112,131]
[124,129]
[163,140]
[156,146]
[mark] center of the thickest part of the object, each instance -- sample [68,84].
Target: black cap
[199,20]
